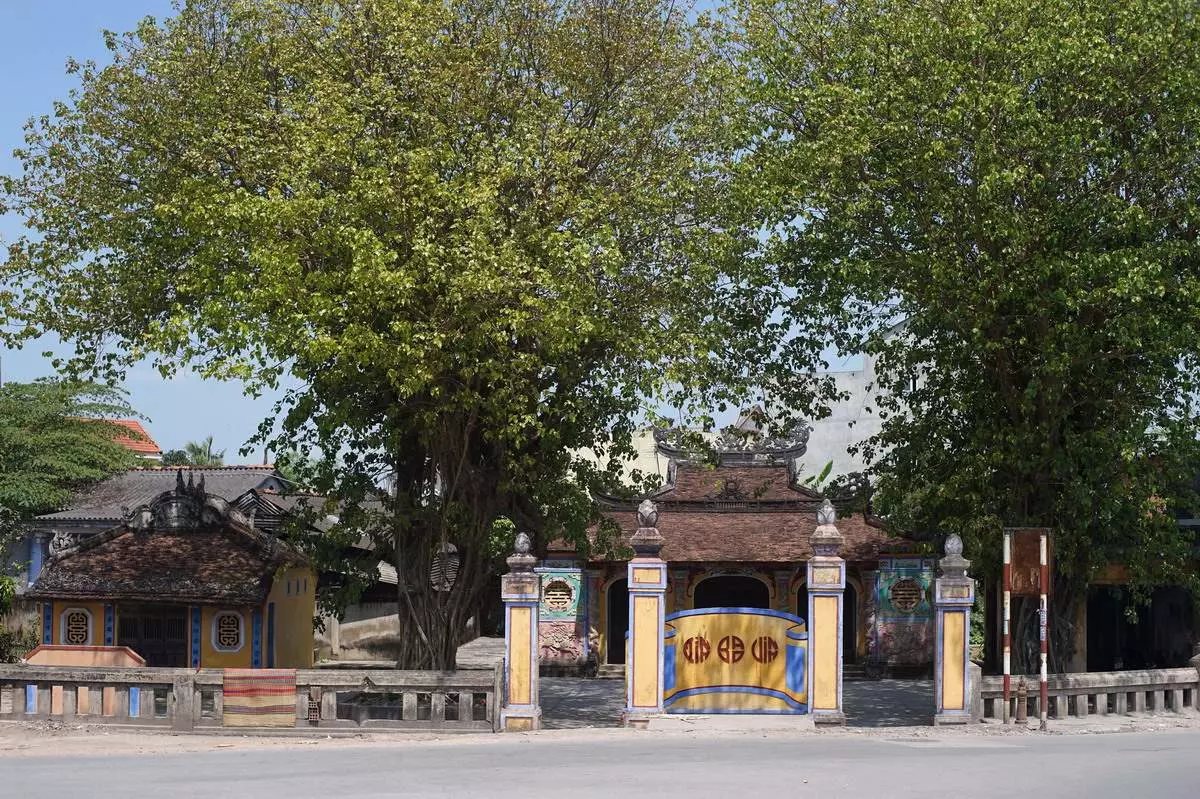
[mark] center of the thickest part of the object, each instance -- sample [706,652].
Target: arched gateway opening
[732,591]
[618,620]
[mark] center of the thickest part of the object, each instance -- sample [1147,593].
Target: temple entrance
[618,620]
[156,632]
[732,591]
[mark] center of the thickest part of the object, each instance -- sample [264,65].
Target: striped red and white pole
[1044,625]
[1006,715]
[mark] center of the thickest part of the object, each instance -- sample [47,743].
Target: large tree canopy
[481,234]
[1017,183]
[54,441]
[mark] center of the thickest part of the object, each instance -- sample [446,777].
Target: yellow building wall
[294,594]
[95,608]
[210,657]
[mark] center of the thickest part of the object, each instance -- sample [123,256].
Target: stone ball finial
[522,545]
[647,514]
[826,514]
[954,544]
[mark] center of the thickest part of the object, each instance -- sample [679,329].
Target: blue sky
[36,38]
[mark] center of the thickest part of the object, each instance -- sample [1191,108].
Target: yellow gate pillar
[826,584]
[954,593]
[521,591]
[644,653]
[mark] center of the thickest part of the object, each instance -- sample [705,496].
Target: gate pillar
[644,652]
[826,585]
[954,594]
[521,591]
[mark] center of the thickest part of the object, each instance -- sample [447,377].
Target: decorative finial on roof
[179,487]
[826,538]
[647,541]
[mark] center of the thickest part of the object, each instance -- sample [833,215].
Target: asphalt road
[619,764]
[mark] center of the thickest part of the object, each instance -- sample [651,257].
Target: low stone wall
[186,699]
[1098,694]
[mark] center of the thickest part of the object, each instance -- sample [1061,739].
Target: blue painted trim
[110,625]
[728,712]
[47,623]
[795,677]
[778,614]
[256,625]
[669,667]
[31,699]
[196,624]
[135,702]
[270,635]
[739,689]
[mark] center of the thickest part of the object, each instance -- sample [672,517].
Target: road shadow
[569,703]
[888,703]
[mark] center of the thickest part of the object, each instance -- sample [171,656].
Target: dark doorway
[618,620]
[1124,635]
[156,632]
[850,625]
[732,591]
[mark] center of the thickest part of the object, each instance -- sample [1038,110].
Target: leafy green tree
[176,457]
[1017,184]
[201,453]
[54,441]
[480,234]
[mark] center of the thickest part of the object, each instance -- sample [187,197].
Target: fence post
[521,591]
[826,586]
[954,594]
[182,705]
[647,589]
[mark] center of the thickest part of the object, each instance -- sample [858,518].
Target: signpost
[1027,573]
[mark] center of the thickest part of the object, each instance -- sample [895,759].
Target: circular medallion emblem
[731,649]
[696,649]
[764,649]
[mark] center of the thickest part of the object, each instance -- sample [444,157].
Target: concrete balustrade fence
[184,699]
[1087,694]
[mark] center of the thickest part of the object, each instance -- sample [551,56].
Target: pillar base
[520,719]
[638,719]
[829,718]
[950,719]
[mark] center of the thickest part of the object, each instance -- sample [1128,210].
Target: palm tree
[200,453]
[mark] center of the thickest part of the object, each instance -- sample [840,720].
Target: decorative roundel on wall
[764,649]
[696,649]
[558,595]
[906,594]
[76,627]
[731,649]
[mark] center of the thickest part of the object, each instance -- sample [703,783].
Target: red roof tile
[140,442]
[697,536]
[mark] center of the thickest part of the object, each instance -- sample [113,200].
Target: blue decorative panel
[135,701]
[47,623]
[196,615]
[271,635]
[31,699]
[109,625]
[256,639]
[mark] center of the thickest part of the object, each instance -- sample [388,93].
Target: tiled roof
[228,566]
[745,513]
[755,537]
[140,442]
[694,483]
[105,500]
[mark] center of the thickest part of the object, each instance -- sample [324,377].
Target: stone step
[610,672]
